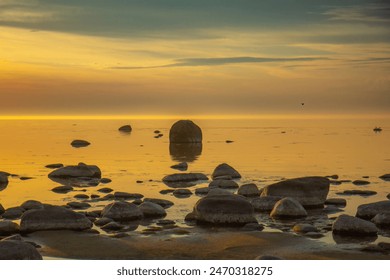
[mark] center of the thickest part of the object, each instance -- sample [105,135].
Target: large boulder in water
[122,211]
[309,191]
[225,169]
[288,208]
[370,210]
[224,209]
[53,218]
[77,171]
[18,250]
[349,225]
[185,131]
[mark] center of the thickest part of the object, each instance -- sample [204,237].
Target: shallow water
[263,151]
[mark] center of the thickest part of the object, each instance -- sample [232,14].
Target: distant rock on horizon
[185,131]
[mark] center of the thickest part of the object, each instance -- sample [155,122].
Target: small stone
[78,205]
[105,180]
[331,209]
[94,196]
[122,211]
[368,211]
[17,250]
[336,201]
[385,177]
[360,182]
[304,228]
[225,169]
[162,202]
[335,176]
[166,191]
[24,178]
[13,213]
[358,192]
[54,165]
[152,210]
[348,225]
[125,128]
[105,190]
[185,177]
[80,143]
[183,166]
[229,141]
[265,203]
[288,208]
[102,221]
[248,190]
[382,220]
[165,222]
[62,189]
[202,191]
[139,181]
[217,191]
[181,193]
[127,196]
[81,196]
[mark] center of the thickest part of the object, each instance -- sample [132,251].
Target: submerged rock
[62,189]
[152,210]
[288,208]
[385,177]
[309,191]
[349,225]
[358,192]
[127,196]
[185,131]
[112,226]
[182,166]
[223,184]
[4,177]
[105,190]
[122,211]
[54,165]
[224,209]
[185,177]
[79,143]
[181,193]
[248,190]
[53,218]
[360,182]
[18,250]
[78,205]
[162,202]
[125,128]
[202,191]
[368,211]
[225,169]
[77,171]
[265,203]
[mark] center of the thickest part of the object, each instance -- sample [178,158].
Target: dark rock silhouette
[185,131]
[125,128]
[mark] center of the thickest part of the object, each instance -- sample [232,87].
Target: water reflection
[345,239]
[187,152]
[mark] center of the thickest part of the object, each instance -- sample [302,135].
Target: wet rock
[81,196]
[202,191]
[217,191]
[8,228]
[385,177]
[78,143]
[288,208]
[105,180]
[368,211]
[25,178]
[265,203]
[308,191]
[229,141]
[102,221]
[94,196]
[54,165]
[162,202]
[165,222]
[181,193]
[53,218]
[32,204]
[112,226]
[74,171]
[166,191]
[224,209]
[312,234]
[185,177]
[223,184]
[304,228]
[185,131]
[127,196]
[122,211]
[225,169]
[125,128]
[182,166]
[78,205]
[152,210]
[360,182]
[18,250]
[331,209]
[335,176]
[357,192]
[382,220]
[268,258]
[336,201]
[349,225]
[15,237]
[252,227]
[2,210]
[248,190]
[62,189]
[105,190]
[13,213]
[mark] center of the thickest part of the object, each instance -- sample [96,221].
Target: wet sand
[218,245]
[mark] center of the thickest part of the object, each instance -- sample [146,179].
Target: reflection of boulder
[188,152]
[358,239]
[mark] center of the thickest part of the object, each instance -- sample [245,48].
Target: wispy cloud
[222,61]
[375,13]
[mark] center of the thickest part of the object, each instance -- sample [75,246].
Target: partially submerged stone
[369,210]
[78,143]
[288,208]
[122,211]
[185,177]
[77,171]
[125,128]
[225,169]
[349,225]
[152,210]
[248,190]
[223,184]
[185,131]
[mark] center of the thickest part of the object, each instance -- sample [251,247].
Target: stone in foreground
[122,211]
[309,191]
[248,190]
[185,131]
[53,218]
[18,250]
[152,210]
[349,225]
[224,209]
[225,169]
[288,208]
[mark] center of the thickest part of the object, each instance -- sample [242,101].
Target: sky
[204,57]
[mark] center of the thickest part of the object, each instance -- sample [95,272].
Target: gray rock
[182,166]
[81,196]
[313,234]
[54,165]
[102,221]
[13,213]
[8,228]
[288,208]
[185,131]
[202,191]
[304,228]
[125,128]
[225,169]
[185,177]
[112,226]
[223,184]
[349,225]
[166,191]
[385,177]
[309,191]
[62,189]
[31,204]
[105,190]
[331,209]
[77,171]
[182,193]
[127,196]
[18,250]
[79,143]
[162,202]
[360,182]
[358,192]
[368,211]
[78,205]
[382,220]
[252,227]
[248,190]
[105,180]
[4,177]
[152,210]
[53,218]
[265,203]
[224,209]
[217,191]
[122,211]
[336,201]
